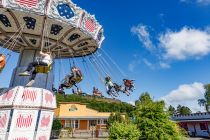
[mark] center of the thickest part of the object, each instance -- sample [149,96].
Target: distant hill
[99,104]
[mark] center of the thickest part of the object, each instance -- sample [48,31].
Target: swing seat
[2,63]
[1,69]
[69,86]
[43,69]
[78,79]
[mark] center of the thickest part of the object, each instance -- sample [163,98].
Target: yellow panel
[43,69]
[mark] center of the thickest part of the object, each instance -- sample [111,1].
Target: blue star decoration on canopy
[30,22]
[33,41]
[55,29]
[5,20]
[65,11]
[74,37]
[82,44]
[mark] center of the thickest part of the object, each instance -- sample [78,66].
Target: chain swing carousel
[28,27]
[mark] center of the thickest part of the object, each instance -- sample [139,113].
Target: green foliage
[171,110]
[153,122]
[144,98]
[69,130]
[97,103]
[115,117]
[183,110]
[56,125]
[206,100]
[123,131]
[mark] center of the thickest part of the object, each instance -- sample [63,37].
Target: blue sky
[164,45]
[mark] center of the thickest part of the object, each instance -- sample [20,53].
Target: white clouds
[204,2]
[143,34]
[148,63]
[133,65]
[184,44]
[164,65]
[186,95]
[132,103]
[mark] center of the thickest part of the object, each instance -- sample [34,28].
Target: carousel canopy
[58,26]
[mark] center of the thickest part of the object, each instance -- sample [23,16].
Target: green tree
[202,102]
[123,131]
[183,110]
[115,117]
[171,110]
[144,98]
[153,122]
[56,125]
[206,100]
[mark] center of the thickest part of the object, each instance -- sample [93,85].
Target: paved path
[197,139]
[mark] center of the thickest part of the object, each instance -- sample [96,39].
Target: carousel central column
[42,80]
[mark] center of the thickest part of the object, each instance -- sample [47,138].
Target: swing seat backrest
[43,69]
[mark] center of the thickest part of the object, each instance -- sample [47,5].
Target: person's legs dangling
[32,79]
[33,76]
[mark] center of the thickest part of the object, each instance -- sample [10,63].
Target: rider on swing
[129,84]
[2,61]
[109,86]
[96,92]
[45,59]
[71,79]
[119,88]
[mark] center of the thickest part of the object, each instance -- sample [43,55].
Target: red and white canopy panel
[54,25]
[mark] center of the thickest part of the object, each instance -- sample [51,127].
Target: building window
[71,124]
[76,124]
[99,121]
[105,121]
[93,122]
[68,124]
[203,126]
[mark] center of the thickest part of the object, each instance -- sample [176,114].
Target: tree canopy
[153,122]
[183,110]
[115,117]
[171,110]
[206,100]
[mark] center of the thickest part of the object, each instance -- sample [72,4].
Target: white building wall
[190,127]
[200,132]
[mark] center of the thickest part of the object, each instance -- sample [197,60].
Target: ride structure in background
[28,28]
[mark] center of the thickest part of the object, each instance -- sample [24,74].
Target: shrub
[123,131]
[56,125]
